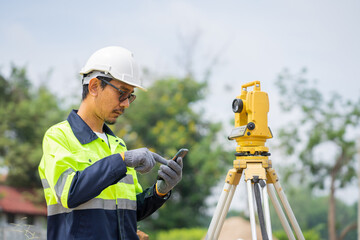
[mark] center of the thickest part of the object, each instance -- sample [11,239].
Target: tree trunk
[331,213]
[358,218]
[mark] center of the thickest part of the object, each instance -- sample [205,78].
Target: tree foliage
[164,120]
[322,136]
[26,113]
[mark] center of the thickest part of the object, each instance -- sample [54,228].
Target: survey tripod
[252,158]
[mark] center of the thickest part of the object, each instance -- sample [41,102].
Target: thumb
[179,161]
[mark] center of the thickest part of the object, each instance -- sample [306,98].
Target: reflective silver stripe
[96,203]
[56,209]
[59,186]
[128,179]
[45,183]
[126,204]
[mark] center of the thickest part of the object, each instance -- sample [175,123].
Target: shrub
[182,233]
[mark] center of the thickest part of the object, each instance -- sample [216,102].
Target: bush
[311,234]
[182,233]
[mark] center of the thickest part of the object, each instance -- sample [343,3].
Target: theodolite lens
[237,105]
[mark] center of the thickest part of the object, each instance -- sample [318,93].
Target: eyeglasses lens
[131,97]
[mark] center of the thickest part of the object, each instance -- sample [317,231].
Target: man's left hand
[170,174]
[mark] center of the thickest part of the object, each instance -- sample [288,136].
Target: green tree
[164,120]
[320,124]
[311,212]
[25,112]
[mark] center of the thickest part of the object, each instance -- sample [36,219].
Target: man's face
[108,105]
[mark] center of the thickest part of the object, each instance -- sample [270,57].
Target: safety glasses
[123,95]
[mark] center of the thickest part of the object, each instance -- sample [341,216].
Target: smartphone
[181,153]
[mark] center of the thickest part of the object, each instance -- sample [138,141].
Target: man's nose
[125,103]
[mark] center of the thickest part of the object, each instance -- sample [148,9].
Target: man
[88,175]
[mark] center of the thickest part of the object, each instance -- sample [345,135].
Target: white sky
[255,40]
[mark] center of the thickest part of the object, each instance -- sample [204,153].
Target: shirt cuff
[162,196]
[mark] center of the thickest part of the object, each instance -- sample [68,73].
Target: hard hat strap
[87,77]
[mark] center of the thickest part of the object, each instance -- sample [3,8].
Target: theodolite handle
[256,85]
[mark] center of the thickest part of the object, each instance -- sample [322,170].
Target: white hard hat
[116,61]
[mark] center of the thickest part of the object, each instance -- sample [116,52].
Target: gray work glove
[170,176]
[141,159]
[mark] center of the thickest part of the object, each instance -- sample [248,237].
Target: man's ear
[94,87]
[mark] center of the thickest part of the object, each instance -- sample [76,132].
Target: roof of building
[13,200]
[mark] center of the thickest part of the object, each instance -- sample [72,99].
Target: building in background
[21,218]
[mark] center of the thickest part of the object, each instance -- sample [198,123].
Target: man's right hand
[141,159]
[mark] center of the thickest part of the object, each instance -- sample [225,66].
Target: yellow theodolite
[251,130]
[252,156]
[251,125]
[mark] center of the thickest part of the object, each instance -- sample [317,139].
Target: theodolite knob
[251,126]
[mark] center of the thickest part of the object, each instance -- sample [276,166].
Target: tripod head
[251,125]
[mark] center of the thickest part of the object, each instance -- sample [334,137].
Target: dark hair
[85,91]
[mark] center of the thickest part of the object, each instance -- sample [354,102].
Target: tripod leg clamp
[233,177]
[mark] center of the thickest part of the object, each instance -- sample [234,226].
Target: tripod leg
[225,211]
[222,208]
[267,212]
[251,209]
[280,213]
[218,212]
[288,210]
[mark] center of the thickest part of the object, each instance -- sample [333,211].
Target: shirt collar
[82,131]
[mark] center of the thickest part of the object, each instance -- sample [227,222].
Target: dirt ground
[237,228]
